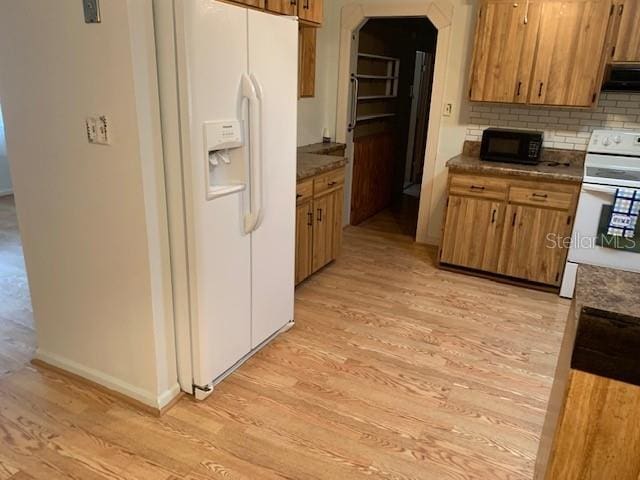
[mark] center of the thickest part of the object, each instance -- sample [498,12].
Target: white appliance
[612,162]
[228,85]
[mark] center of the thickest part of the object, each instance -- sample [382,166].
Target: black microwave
[513,146]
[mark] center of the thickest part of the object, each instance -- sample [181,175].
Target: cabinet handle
[539,196]
[310,219]
[540,89]
[294,2]
[493,216]
[476,187]
[319,215]
[298,195]
[306,4]
[513,221]
[332,184]
[519,88]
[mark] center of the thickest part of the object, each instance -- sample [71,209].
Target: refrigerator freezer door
[212,61]
[273,64]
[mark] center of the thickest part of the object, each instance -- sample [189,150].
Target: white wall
[5,177]
[321,110]
[92,218]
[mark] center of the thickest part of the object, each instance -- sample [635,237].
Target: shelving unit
[375,88]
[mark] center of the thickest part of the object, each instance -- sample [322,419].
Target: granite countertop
[607,307]
[609,291]
[319,158]
[558,165]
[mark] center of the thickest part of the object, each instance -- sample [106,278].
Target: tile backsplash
[563,127]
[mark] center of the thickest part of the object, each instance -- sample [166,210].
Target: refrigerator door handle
[253,93]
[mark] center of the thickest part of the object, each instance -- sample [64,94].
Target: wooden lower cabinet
[472,236]
[319,222]
[304,240]
[509,227]
[531,245]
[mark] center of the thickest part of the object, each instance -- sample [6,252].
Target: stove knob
[617,139]
[607,141]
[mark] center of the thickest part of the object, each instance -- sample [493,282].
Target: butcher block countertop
[556,165]
[319,158]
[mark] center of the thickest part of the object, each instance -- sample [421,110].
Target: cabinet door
[307,61]
[571,42]
[250,3]
[534,244]
[285,7]
[472,233]
[504,51]
[304,240]
[628,44]
[311,10]
[338,206]
[325,215]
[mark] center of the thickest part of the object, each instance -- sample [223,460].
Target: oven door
[590,244]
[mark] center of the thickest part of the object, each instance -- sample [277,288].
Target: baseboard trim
[110,385]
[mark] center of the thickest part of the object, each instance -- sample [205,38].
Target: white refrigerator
[228,87]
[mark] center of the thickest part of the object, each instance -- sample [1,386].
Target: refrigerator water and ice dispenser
[224,157]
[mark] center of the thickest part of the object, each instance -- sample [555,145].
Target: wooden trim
[157,412]
[440,13]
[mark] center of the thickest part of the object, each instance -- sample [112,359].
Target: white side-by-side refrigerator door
[273,63]
[215,59]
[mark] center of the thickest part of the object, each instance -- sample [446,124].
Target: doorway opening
[17,335]
[392,72]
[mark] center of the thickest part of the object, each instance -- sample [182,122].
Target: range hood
[625,78]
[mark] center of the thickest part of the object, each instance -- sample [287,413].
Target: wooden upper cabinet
[311,10]
[285,7]
[504,51]
[307,61]
[570,52]
[628,43]
[251,3]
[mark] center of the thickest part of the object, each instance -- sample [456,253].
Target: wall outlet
[98,130]
[448,109]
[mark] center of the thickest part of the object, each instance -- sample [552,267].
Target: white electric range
[612,162]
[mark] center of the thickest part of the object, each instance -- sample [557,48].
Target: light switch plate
[91,11]
[98,130]
[448,109]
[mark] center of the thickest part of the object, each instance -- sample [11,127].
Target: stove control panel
[613,141]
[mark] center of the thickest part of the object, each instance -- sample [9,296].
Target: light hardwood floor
[395,370]
[17,338]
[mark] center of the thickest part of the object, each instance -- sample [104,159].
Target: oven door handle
[598,188]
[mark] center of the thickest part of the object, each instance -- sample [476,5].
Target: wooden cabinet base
[499,278]
[319,222]
[510,229]
[598,435]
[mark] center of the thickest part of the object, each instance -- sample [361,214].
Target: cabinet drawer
[541,198]
[483,187]
[328,181]
[304,191]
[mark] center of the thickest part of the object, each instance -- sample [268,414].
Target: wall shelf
[376,77]
[378,57]
[366,118]
[376,97]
